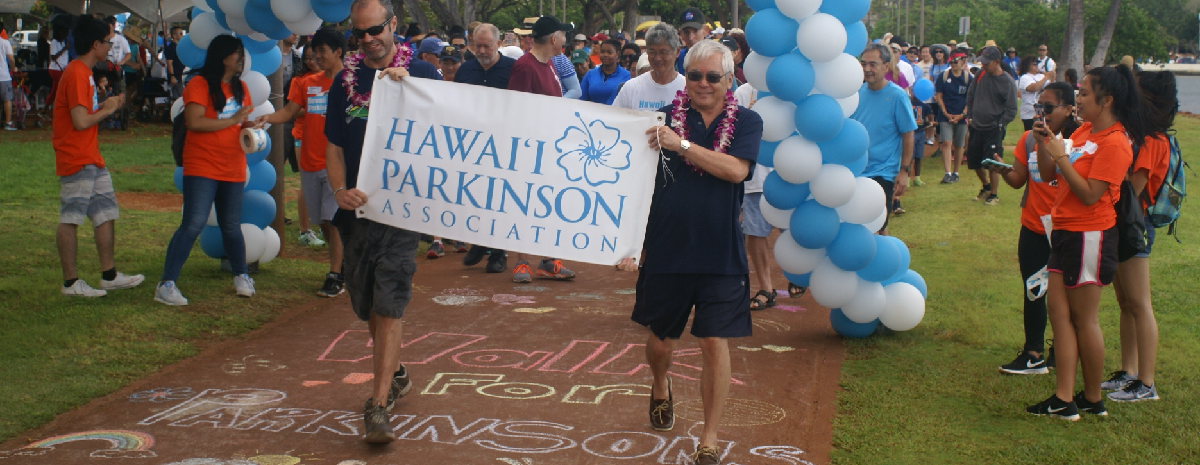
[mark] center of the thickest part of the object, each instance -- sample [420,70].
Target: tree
[1110,23]
[1072,50]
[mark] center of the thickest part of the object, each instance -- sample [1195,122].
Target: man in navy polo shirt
[695,254]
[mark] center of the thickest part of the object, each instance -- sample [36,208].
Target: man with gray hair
[884,109]
[695,256]
[656,89]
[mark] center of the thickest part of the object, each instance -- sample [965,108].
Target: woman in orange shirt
[1139,331]
[1083,243]
[214,165]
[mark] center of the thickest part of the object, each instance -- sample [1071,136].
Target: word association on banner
[576,188]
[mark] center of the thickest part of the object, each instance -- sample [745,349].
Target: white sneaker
[122,281]
[10,127]
[244,285]
[310,239]
[169,294]
[82,289]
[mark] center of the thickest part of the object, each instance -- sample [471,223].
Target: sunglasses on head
[371,31]
[712,77]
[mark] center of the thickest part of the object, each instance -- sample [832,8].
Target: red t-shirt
[530,75]
[214,155]
[312,94]
[1103,156]
[1041,194]
[1154,156]
[74,149]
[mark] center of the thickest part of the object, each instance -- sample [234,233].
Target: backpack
[178,136]
[1131,217]
[1169,198]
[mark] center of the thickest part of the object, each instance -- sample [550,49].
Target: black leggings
[1033,251]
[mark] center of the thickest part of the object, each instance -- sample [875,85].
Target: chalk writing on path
[583,297]
[629,291]
[490,385]
[789,454]
[122,444]
[250,364]
[460,300]
[535,310]
[212,461]
[530,288]
[523,461]
[770,325]
[162,394]
[510,299]
[738,412]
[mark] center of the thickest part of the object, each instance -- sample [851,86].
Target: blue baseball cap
[432,45]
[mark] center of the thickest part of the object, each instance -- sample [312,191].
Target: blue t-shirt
[348,131]
[471,72]
[601,88]
[954,94]
[887,115]
[693,226]
[679,60]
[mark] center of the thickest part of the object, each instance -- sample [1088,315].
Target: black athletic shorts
[378,267]
[1084,257]
[889,191]
[665,301]
[984,143]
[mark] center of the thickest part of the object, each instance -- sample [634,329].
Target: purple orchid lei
[724,128]
[401,59]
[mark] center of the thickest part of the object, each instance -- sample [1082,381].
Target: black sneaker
[333,287]
[954,177]
[379,431]
[475,255]
[1050,353]
[400,387]
[1094,408]
[1026,364]
[497,261]
[947,179]
[1055,408]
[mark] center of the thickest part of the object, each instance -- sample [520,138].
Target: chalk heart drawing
[162,394]
[250,364]
[510,299]
[122,444]
[460,300]
[593,152]
[738,412]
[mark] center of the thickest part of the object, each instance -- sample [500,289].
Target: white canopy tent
[16,6]
[146,9]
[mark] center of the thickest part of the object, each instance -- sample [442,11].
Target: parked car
[24,40]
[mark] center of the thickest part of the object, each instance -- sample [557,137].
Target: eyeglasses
[1041,49]
[712,77]
[371,31]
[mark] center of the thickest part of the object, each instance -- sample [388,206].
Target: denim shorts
[87,194]
[753,223]
[318,197]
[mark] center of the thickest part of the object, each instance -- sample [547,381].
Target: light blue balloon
[759,5]
[258,208]
[814,226]
[255,47]
[214,5]
[211,242]
[266,62]
[904,260]
[179,179]
[885,263]
[784,195]
[771,33]
[849,145]
[846,11]
[257,157]
[262,177]
[853,248]
[258,3]
[847,328]
[798,279]
[791,77]
[923,89]
[191,55]
[261,18]
[858,166]
[766,152]
[856,38]
[819,118]
[332,12]
[914,278]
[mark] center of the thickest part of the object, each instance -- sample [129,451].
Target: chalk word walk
[550,176]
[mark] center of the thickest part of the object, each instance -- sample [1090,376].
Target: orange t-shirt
[298,125]
[1154,156]
[214,155]
[74,149]
[1103,156]
[1041,194]
[313,96]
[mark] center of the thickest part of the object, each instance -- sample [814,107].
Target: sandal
[757,303]
[795,291]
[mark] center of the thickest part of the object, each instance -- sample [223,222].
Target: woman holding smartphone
[214,165]
[1083,250]
[1056,110]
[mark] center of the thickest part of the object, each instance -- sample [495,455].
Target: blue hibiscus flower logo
[593,152]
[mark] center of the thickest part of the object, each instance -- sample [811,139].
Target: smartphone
[988,163]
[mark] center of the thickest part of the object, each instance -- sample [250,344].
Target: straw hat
[134,34]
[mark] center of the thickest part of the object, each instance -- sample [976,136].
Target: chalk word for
[491,386]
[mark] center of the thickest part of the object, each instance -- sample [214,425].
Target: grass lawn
[57,352]
[933,394]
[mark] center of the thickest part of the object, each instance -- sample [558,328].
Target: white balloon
[779,118]
[849,104]
[840,77]
[864,206]
[271,249]
[781,219]
[233,7]
[833,186]
[868,302]
[255,242]
[260,88]
[258,36]
[176,108]
[307,25]
[755,69]
[204,28]
[246,62]
[799,9]
[877,223]
[821,37]
[238,23]
[794,258]
[247,183]
[202,4]
[797,160]
[263,109]
[831,286]
[290,11]
[905,307]
[212,216]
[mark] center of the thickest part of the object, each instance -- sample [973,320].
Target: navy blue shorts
[665,301]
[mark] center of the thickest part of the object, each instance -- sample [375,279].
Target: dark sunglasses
[712,77]
[1045,107]
[629,57]
[371,31]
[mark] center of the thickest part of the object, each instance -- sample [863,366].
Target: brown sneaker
[400,386]
[379,431]
[707,456]
[662,412]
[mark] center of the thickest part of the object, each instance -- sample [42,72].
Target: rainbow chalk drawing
[123,444]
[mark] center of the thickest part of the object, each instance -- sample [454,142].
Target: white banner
[522,172]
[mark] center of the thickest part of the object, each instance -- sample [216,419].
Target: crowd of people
[1081,142]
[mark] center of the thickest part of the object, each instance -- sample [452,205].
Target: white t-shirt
[6,51]
[60,63]
[1046,64]
[745,95]
[1028,98]
[119,50]
[642,93]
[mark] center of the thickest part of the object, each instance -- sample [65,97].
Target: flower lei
[402,57]
[724,128]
